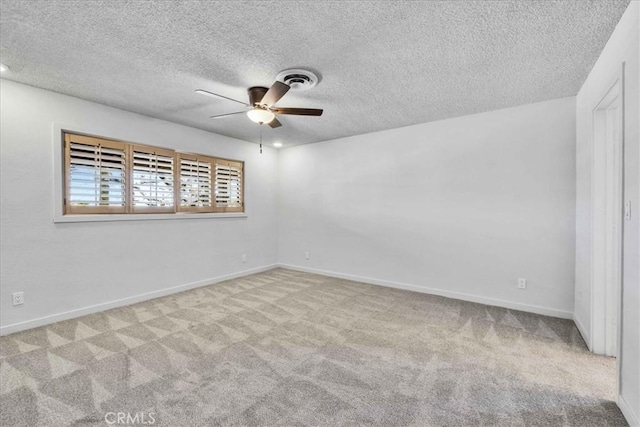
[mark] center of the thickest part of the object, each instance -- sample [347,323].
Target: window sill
[145,217]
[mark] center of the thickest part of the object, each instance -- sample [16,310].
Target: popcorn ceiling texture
[382,64]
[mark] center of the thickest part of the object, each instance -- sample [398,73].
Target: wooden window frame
[236,164]
[99,142]
[196,158]
[129,148]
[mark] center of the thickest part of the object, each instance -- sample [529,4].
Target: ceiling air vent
[298,79]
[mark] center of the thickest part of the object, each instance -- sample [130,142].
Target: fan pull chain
[260,137]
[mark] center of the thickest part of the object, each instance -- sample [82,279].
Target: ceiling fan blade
[220,116]
[298,111]
[274,93]
[274,123]
[215,95]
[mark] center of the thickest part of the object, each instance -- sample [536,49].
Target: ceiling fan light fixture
[260,115]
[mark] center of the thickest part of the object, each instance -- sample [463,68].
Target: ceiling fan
[261,100]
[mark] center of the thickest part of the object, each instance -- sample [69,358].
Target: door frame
[602,220]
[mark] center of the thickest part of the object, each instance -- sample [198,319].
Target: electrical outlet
[522,283]
[307,255]
[244,258]
[18,298]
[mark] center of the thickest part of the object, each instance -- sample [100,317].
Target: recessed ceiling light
[4,68]
[277,144]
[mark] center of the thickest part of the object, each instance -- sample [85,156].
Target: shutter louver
[96,173]
[152,180]
[228,186]
[195,183]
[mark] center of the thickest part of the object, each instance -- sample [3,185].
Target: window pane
[195,183]
[96,176]
[228,185]
[152,179]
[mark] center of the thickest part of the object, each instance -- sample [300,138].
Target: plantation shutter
[103,176]
[196,173]
[96,175]
[152,180]
[229,192]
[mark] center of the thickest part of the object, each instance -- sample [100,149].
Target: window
[103,176]
[152,179]
[195,183]
[228,186]
[97,175]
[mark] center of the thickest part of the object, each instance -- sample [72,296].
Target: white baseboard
[625,408]
[583,331]
[441,292]
[21,326]
[46,320]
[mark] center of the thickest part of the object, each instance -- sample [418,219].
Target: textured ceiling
[383,64]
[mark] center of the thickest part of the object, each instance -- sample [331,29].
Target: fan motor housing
[256,94]
[298,79]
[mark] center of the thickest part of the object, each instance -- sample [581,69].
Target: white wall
[60,266]
[460,207]
[622,46]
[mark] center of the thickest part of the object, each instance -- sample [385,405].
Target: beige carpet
[284,348]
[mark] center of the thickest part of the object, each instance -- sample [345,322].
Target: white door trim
[607,189]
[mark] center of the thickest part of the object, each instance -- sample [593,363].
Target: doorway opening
[607,220]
